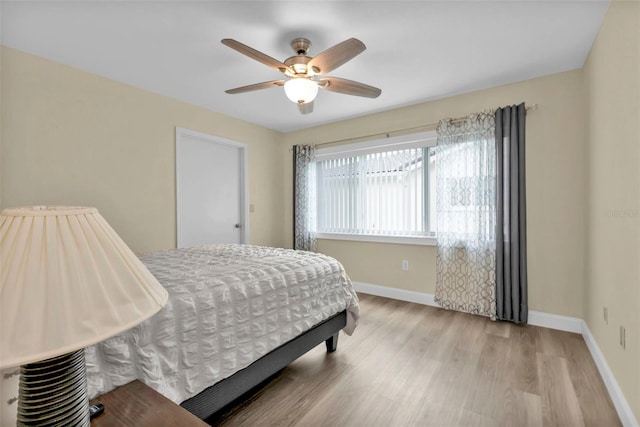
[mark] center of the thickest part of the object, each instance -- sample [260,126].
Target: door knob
[237,225]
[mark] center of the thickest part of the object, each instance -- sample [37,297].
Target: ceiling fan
[306,74]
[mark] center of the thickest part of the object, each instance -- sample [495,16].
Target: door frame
[181,135]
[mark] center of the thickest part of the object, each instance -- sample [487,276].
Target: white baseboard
[619,401]
[555,321]
[395,293]
[536,318]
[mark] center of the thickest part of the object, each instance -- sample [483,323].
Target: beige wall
[380,263]
[1,114]
[70,137]
[612,77]
[555,190]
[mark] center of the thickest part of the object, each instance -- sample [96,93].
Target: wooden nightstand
[135,404]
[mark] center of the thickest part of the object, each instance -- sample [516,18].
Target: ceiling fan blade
[337,55]
[256,86]
[306,108]
[349,87]
[255,54]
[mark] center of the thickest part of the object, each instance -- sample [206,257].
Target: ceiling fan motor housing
[298,63]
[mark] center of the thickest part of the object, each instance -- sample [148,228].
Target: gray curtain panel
[304,196]
[511,215]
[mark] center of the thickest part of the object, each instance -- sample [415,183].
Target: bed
[236,315]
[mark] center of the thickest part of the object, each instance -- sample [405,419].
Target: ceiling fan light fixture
[301,90]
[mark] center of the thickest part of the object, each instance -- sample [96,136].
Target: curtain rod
[533,107]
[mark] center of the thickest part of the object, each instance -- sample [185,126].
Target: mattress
[228,306]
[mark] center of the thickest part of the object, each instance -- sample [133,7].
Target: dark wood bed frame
[211,400]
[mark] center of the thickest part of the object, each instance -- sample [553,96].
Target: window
[382,188]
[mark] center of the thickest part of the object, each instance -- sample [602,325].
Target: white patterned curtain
[466,215]
[304,198]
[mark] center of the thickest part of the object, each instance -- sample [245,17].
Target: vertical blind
[379,193]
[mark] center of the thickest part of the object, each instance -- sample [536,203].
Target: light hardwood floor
[409,364]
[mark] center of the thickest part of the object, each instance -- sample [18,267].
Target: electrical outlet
[405,265]
[605,314]
[623,337]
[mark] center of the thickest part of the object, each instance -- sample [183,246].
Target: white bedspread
[228,306]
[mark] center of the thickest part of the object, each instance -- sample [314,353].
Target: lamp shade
[68,281]
[301,90]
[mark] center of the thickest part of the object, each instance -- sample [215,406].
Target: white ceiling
[416,50]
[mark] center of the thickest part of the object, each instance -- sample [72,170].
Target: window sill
[406,240]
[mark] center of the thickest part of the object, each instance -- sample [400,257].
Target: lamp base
[54,392]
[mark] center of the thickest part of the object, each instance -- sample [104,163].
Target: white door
[210,189]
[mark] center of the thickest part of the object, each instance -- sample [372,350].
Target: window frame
[412,140]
